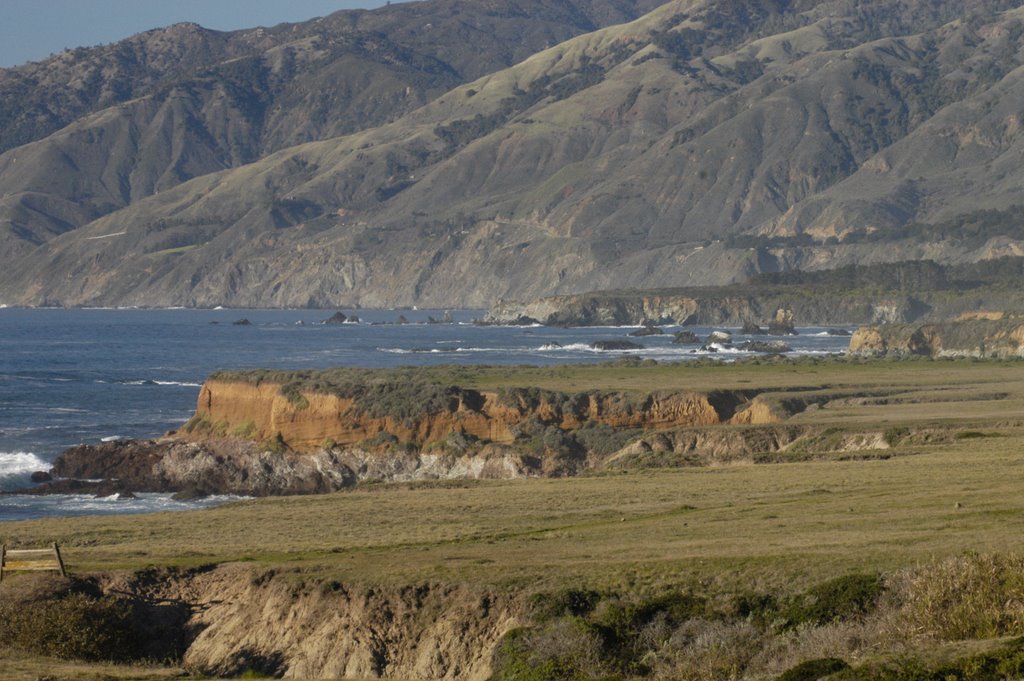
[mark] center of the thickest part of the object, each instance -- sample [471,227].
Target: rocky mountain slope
[699,144]
[91,130]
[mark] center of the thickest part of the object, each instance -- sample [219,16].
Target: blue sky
[31,30]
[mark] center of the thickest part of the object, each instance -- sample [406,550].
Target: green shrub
[971,435]
[568,602]
[836,599]
[566,648]
[244,430]
[602,439]
[197,424]
[999,665]
[75,626]
[812,670]
[894,435]
[293,393]
[756,607]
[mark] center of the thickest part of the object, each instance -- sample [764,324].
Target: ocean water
[79,376]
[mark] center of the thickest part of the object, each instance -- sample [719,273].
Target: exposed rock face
[251,438]
[975,338]
[197,469]
[765,346]
[782,324]
[256,441]
[249,620]
[708,306]
[263,413]
[611,345]
[647,331]
[336,318]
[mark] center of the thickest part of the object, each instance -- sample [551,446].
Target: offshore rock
[782,324]
[686,338]
[336,318]
[765,346]
[615,345]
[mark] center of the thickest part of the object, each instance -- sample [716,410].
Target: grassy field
[780,524]
[778,528]
[776,525]
[939,381]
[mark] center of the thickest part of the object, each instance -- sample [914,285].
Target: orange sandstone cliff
[262,411]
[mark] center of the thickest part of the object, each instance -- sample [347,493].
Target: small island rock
[685,338]
[336,318]
[615,345]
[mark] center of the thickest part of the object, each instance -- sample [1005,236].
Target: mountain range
[452,153]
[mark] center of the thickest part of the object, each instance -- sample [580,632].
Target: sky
[31,30]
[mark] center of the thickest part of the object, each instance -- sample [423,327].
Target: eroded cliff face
[310,421]
[707,306]
[981,337]
[251,620]
[264,438]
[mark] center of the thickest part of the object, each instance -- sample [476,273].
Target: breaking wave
[16,469]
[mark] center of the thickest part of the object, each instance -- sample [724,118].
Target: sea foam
[16,469]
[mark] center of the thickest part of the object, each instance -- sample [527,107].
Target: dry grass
[16,666]
[746,524]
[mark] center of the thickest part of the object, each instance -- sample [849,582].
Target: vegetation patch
[68,623]
[812,670]
[244,430]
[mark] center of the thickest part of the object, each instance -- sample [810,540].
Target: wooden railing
[31,559]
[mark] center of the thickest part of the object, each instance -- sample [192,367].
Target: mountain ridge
[629,157]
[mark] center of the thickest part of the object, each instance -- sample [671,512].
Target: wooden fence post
[60,561]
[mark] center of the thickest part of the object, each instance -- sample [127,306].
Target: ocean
[80,376]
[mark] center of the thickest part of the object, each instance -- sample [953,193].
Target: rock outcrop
[263,412]
[782,324]
[260,438]
[988,338]
[253,437]
[709,307]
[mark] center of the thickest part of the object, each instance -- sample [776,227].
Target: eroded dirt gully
[235,618]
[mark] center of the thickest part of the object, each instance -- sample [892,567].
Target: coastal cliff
[305,420]
[260,433]
[706,307]
[980,337]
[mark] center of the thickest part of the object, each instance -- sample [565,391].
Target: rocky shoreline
[706,307]
[267,438]
[280,433]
